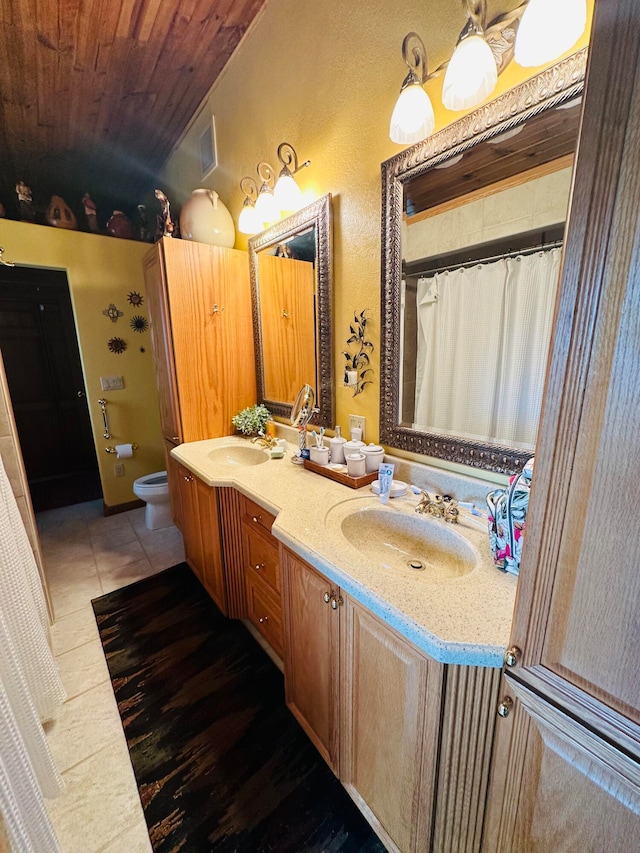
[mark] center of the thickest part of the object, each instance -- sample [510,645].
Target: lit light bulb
[412,119]
[287,193]
[248,222]
[266,208]
[548,29]
[471,74]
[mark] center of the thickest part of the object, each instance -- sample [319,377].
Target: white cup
[356,465]
[319,455]
[374,457]
[352,447]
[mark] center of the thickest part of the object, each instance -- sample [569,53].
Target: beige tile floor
[85,556]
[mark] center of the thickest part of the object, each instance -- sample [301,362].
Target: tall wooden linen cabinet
[566,763]
[199,304]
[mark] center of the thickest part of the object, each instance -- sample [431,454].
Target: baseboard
[116,508]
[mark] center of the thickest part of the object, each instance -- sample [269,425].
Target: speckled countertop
[461,620]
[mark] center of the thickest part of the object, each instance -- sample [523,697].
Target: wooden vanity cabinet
[173,479]
[262,572]
[202,535]
[410,738]
[200,321]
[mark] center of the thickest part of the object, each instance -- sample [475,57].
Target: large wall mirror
[291,289]
[472,228]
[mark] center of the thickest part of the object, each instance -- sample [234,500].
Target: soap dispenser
[336,447]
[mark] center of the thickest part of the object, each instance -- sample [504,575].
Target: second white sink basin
[402,541]
[237,455]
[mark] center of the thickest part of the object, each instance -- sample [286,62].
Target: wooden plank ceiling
[95,93]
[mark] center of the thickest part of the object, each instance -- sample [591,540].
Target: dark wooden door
[42,362]
[566,768]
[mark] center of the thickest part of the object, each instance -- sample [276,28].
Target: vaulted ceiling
[95,93]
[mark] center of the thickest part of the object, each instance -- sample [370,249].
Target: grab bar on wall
[103,405]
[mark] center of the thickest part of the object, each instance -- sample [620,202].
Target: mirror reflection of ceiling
[300,247]
[95,95]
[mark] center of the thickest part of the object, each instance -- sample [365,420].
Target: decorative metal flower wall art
[112,313]
[139,323]
[357,373]
[117,345]
[135,299]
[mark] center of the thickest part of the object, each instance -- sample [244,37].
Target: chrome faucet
[440,506]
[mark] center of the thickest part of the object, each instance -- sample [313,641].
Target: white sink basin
[237,455]
[398,540]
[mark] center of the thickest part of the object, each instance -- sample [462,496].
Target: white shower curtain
[483,340]
[30,688]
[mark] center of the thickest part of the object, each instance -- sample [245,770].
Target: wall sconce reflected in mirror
[534,33]
[287,193]
[249,221]
[266,206]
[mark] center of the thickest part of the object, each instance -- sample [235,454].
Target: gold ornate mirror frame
[553,87]
[318,216]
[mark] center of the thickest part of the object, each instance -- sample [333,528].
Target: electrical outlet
[118,469]
[356,422]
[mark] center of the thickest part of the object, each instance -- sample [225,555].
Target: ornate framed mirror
[472,222]
[291,292]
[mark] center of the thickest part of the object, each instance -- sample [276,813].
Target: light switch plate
[356,422]
[112,383]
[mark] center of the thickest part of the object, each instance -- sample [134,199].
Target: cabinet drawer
[261,556]
[265,611]
[254,514]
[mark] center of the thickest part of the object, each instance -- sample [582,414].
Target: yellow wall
[324,76]
[102,270]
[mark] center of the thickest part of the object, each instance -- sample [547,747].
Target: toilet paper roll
[124,451]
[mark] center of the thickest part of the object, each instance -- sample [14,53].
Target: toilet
[154,490]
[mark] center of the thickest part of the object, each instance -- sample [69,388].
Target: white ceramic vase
[205,219]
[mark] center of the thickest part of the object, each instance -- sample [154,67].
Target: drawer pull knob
[175,438]
[188,478]
[505,706]
[327,597]
[258,566]
[512,656]
[263,619]
[337,602]
[257,519]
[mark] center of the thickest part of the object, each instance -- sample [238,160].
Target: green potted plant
[252,420]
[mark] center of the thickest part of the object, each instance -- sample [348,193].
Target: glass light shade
[248,222]
[266,208]
[548,29]
[471,74]
[288,194]
[412,119]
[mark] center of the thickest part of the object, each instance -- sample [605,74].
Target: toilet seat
[153,489]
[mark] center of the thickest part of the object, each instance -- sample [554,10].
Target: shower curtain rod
[531,250]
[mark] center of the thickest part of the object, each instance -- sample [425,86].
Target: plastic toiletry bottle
[336,446]
[270,427]
[385,478]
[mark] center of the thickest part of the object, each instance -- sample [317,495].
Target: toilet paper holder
[113,450]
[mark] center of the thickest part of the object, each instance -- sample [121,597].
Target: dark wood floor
[220,762]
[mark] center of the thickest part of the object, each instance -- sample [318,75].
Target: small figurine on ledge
[25,202]
[166,225]
[90,213]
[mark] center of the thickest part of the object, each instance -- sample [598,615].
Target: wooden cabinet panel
[190,520]
[162,344]
[265,612]
[311,630]
[287,310]
[261,557]
[212,568]
[390,721]
[230,507]
[566,767]
[173,478]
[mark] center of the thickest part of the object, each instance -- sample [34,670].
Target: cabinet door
[566,767]
[190,520]
[212,567]
[391,697]
[311,637]
[212,329]
[161,342]
[173,478]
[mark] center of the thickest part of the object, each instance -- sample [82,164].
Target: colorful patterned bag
[507,518]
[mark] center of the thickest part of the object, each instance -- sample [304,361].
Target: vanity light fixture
[248,221]
[412,119]
[266,207]
[287,193]
[472,73]
[548,29]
